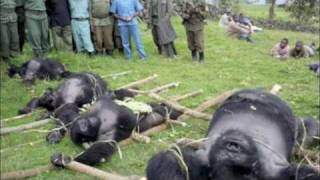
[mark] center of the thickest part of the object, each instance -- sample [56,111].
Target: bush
[305,11]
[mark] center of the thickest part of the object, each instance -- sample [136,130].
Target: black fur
[236,154]
[40,69]
[78,89]
[165,166]
[104,123]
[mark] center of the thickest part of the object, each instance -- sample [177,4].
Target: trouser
[195,40]
[82,35]
[167,50]
[62,38]
[104,37]
[9,41]
[128,31]
[21,26]
[38,33]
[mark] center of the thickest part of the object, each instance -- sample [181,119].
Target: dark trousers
[167,50]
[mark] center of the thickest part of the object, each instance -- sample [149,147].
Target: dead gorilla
[77,89]
[38,68]
[103,125]
[250,137]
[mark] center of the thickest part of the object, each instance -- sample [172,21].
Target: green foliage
[307,11]
[233,5]
[230,64]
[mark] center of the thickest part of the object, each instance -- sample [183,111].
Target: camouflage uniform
[38,27]
[102,24]
[162,31]
[194,14]
[9,41]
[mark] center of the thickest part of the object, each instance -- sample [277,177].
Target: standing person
[162,31]
[21,23]
[81,26]
[126,11]
[9,41]
[224,20]
[103,26]
[37,26]
[193,15]
[60,24]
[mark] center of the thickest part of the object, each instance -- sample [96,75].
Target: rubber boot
[201,57]
[194,56]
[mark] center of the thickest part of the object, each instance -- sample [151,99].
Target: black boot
[201,57]
[91,54]
[194,55]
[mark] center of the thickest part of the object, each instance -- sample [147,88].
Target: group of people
[282,50]
[96,26]
[238,26]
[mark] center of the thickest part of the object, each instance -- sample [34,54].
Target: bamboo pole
[23,127]
[115,75]
[189,95]
[25,173]
[140,82]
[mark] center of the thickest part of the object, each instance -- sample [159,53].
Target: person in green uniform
[102,23]
[163,32]
[37,26]
[9,41]
[194,15]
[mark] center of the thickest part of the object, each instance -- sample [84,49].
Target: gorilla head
[235,152]
[250,137]
[85,129]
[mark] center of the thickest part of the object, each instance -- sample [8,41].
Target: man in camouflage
[9,41]
[37,26]
[163,33]
[60,24]
[194,15]
[102,24]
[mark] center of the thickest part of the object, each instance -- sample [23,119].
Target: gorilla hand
[60,160]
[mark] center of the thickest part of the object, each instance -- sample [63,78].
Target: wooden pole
[23,127]
[143,81]
[183,109]
[115,75]
[91,171]
[156,90]
[26,173]
[189,95]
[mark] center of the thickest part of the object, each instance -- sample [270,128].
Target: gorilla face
[48,100]
[235,153]
[85,130]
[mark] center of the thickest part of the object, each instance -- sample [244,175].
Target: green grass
[262,11]
[230,63]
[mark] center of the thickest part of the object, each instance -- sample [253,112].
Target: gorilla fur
[250,137]
[39,68]
[78,88]
[105,124]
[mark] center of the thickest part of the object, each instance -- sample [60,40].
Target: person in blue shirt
[126,11]
[81,26]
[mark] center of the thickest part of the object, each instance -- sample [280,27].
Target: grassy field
[230,63]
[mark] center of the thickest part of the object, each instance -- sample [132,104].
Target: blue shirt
[79,8]
[126,8]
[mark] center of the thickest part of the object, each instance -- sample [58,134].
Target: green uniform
[37,26]
[9,41]
[162,31]
[194,14]
[102,24]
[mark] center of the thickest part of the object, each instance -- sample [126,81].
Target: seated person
[224,20]
[247,22]
[281,50]
[235,29]
[301,51]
